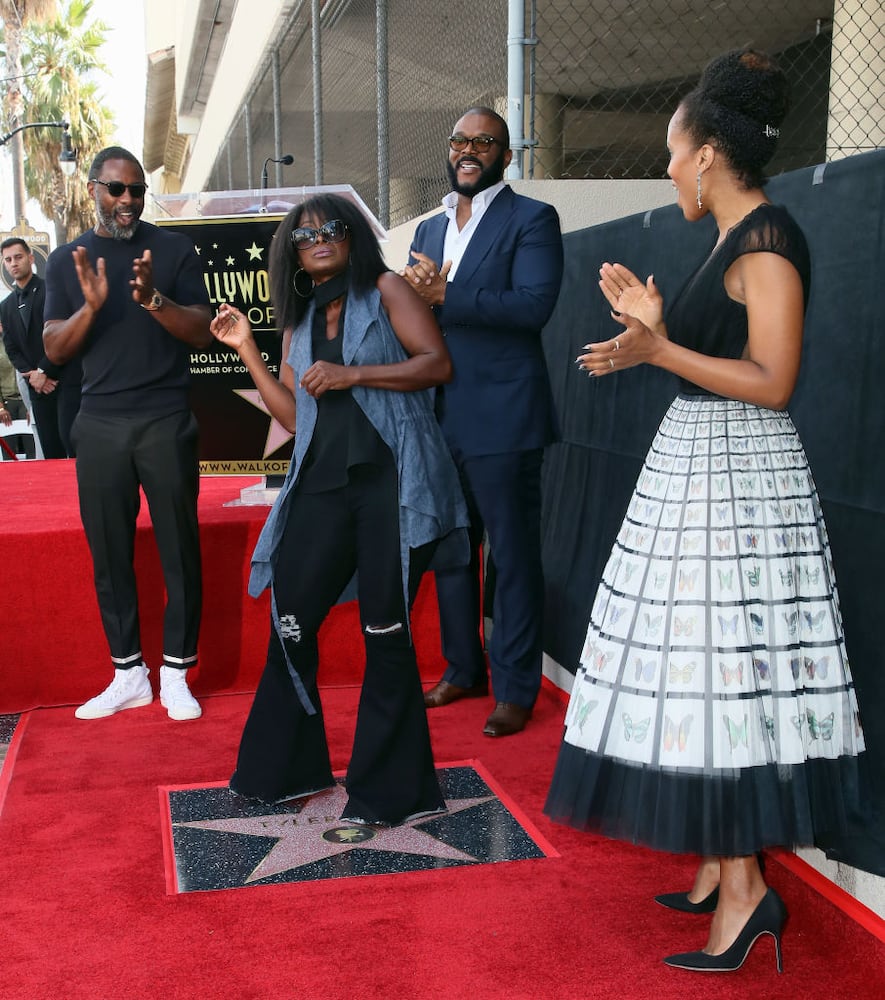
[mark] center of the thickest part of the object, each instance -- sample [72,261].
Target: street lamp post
[67,158]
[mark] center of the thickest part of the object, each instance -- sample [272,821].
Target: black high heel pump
[767,918]
[680,901]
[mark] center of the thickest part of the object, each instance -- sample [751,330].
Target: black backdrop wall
[838,407]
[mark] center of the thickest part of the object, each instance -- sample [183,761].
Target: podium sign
[237,434]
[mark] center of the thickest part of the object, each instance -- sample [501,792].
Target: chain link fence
[369,97]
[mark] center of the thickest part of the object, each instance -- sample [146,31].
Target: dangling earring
[700,203]
[298,292]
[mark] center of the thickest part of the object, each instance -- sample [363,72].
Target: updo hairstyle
[737,107]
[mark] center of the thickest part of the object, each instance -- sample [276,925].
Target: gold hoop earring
[298,291]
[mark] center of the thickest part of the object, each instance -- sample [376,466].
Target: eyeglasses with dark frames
[481,143]
[333,231]
[116,188]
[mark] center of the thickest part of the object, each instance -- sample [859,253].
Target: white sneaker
[175,695]
[129,689]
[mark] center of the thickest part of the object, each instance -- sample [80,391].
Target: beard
[110,223]
[488,176]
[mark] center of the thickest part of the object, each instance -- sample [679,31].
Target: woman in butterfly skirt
[714,711]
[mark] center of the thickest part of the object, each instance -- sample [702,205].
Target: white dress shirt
[457,241]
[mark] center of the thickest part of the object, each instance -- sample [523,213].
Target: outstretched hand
[231,327]
[628,295]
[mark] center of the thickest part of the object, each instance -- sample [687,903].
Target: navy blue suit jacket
[503,293]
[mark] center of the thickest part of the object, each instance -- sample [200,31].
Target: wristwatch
[155,303]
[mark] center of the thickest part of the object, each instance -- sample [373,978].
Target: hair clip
[771,131]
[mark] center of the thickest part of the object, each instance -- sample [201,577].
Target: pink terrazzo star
[316,832]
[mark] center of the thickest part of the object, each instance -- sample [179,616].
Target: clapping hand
[143,283]
[427,279]
[93,281]
[639,308]
[628,295]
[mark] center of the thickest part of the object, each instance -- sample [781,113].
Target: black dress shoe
[767,918]
[445,693]
[507,719]
[680,901]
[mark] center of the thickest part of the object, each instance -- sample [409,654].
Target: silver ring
[611,363]
[617,346]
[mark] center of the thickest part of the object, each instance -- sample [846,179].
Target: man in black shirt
[130,299]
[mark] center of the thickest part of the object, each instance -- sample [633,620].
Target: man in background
[54,389]
[491,268]
[129,298]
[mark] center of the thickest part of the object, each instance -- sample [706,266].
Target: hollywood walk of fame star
[277,435]
[315,833]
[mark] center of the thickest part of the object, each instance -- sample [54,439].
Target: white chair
[16,427]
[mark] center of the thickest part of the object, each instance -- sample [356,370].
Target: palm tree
[58,58]
[16,15]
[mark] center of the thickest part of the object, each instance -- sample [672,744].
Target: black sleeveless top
[703,317]
[343,436]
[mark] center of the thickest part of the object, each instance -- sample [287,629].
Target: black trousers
[45,407]
[68,407]
[116,456]
[284,750]
[503,494]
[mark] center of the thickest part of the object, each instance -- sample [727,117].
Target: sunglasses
[116,188]
[481,143]
[333,231]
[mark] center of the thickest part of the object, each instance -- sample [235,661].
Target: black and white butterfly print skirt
[714,710]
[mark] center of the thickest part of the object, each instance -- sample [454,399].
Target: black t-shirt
[131,364]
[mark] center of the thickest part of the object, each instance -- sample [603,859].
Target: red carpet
[87,915]
[86,912]
[52,647]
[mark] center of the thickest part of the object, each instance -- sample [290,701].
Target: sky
[123,90]
[125,57]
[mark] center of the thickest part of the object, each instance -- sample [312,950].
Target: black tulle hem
[727,815]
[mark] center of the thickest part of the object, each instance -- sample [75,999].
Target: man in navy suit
[491,267]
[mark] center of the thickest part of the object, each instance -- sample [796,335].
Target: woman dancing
[371,487]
